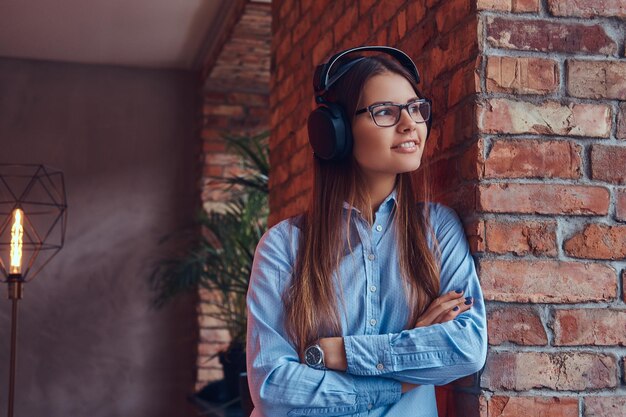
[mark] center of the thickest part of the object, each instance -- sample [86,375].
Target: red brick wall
[439,36]
[550,202]
[236,102]
[528,145]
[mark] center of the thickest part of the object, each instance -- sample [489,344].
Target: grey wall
[89,345]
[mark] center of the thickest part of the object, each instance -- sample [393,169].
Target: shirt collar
[385,207]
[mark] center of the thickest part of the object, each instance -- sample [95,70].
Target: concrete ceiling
[137,33]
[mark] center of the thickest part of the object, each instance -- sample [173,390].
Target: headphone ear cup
[330,134]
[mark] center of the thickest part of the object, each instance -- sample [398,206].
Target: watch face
[313,355]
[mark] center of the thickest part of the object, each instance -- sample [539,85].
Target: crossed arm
[443,309]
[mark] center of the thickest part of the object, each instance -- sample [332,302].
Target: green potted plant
[217,254]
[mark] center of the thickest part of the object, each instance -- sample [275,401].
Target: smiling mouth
[407,144]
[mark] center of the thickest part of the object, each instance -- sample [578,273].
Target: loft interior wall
[126,141]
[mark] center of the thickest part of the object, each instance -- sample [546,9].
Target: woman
[366,301]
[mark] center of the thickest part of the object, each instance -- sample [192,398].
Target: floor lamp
[33,216]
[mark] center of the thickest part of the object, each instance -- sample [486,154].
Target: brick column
[551,158]
[236,102]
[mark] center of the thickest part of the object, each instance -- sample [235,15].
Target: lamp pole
[15,282]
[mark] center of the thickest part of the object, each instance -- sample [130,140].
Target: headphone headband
[322,80]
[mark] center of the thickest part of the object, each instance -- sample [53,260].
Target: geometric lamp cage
[33,217]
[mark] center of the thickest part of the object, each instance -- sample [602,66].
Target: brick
[301,28]
[624,291]
[549,36]
[521,238]
[516,6]
[464,82]
[364,6]
[543,199]
[534,159]
[590,8]
[519,325]
[384,10]
[475,232]
[525,6]
[471,162]
[346,23]
[502,406]
[597,327]
[500,5]
[608,163]
[322,48]
[596,79]
[214,335]
[451,13]
[546,281]
[519,75]
[401,22]
[415,13]
[223,110]
[302,160]
[220,158]
[605,406]
[621,122]
[213,171]
[208,349]
[460,45]
[575,371]
[620,206]
[598,241]
[213,145]
[459,126]
[209,322]
[506,116]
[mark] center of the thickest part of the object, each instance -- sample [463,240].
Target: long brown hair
[311,301]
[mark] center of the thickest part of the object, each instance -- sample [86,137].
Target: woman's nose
[406,123]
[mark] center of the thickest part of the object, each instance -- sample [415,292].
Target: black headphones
[330,134]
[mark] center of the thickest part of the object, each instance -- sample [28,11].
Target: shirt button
[371,257]
[373,288]
[379,228]
[380,367]
[370,406]
[373,322]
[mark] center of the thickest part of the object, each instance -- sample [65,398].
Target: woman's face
[384,152]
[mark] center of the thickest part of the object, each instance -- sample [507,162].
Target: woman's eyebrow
[391,102]
[381,102]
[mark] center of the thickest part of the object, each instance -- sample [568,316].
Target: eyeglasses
[388,114]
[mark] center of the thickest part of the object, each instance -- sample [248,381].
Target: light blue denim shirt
[380,353]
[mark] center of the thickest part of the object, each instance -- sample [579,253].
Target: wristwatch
[314,357]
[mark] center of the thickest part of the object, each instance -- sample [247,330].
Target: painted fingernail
[455,308]
[459,291]
[468,300]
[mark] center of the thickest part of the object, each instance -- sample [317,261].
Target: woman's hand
[445,308]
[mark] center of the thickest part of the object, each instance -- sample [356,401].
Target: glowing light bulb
[17,234]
